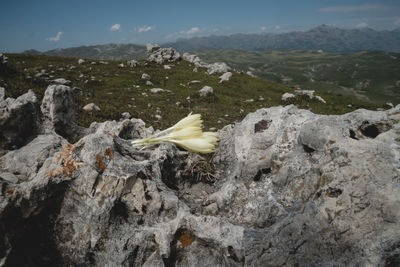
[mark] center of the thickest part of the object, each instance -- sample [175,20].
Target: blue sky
[44,25]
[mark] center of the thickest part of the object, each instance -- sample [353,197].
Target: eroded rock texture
[286,187]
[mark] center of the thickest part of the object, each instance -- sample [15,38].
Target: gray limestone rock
[206,90]
[213,68]
[19,120]
[286,188]
[3,94]
[58,112]
[161,55]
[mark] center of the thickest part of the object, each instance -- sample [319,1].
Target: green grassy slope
[373,76]
[115,91]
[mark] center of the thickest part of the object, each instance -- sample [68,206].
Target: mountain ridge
[323,37]
[327,38]
[113,51]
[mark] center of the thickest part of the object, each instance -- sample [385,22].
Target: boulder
[217,67]
[145,76]
[58,111]
[91,107]
[225,77]
[206,90]
[126,115]
[19,120]
[132,63]
[287,96]
[81,61]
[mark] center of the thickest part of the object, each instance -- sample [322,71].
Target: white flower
[187,134]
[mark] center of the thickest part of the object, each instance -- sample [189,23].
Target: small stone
[91,107]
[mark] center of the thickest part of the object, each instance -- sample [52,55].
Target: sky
[51,24]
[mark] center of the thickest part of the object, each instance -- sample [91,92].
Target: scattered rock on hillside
[145,76]
[194,82]
[159,90]
[91,107]
[287,96]
[206,90]
[62,81]
[149,83]
[3,59]
[132,63]
[81,61]
[249,73]
[217,67]
[126,115]
[225,77]
[298,92]
[320,99]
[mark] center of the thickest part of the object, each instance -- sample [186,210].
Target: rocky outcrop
[161,55]
[217,67]
[286,188]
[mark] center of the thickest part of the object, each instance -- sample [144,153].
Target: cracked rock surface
[287,188]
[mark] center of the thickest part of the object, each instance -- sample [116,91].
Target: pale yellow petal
[197,145]
[193,120]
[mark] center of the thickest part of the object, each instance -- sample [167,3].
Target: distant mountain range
[326,38]
[107,51]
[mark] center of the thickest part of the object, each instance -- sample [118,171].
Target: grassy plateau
[118,89]
[369,75]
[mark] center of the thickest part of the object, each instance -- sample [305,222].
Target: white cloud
[145,29]
[115,27]
[193,30]
[397,22]
[55,38]
[362,25]
[264,28]
[356,8]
